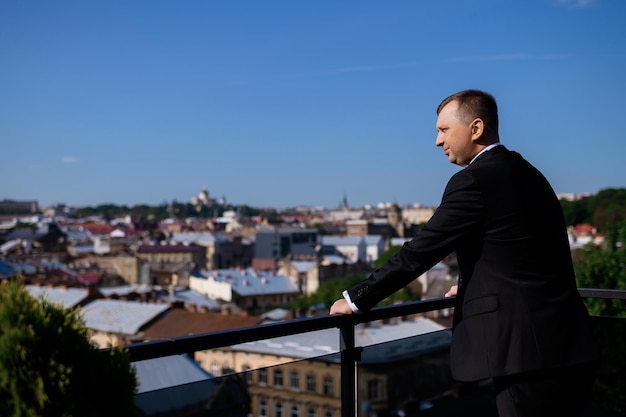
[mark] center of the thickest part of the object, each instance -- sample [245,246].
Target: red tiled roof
[91,278]
[180,322]
[262,264]
[584,229]
[98,228]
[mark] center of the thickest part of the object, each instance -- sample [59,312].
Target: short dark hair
[475,104]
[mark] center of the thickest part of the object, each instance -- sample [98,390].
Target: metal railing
[350,354]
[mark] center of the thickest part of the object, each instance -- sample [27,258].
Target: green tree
[576,212]
[328,291]
[603,210]
[604,266]
[608,208]
[48,367]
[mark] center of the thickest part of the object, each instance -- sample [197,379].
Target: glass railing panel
[177,386]
[411,376]
[297,388]
[403,371]
[608,397]
[305,388]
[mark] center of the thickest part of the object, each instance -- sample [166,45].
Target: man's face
[455,136]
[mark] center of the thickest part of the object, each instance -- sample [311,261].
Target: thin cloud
[574,4]
[373,68]
[69,159]
[369,68]
[354,69]
[506,57]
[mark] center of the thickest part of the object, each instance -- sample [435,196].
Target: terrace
[407,376]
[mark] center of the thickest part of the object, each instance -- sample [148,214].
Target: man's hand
[452,291]
[340,306]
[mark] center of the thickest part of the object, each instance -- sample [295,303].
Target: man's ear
[478,128]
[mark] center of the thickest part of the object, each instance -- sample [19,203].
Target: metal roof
[199,238]
[123,317]
[66,297]
[247,282]
[342,240]
[122,290]
[167,371]
[335,260]
[303,266]
[6,269]
[192,297]
[373,239]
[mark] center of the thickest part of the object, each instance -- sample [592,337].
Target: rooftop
[122,317]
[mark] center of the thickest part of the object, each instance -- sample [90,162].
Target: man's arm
[459,215]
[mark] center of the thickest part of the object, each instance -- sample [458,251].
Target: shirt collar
[488,148]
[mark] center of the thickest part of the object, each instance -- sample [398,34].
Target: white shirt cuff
[353,306]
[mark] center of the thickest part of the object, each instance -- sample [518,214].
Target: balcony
[293,369]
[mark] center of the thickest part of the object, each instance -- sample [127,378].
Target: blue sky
[286,103]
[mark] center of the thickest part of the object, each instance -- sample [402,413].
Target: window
[328,414]
[245,369]
[278,409]
[215,369]
[295,411]
[262,408]
[311,412]
[328,386]
[294,380]
[263,376]
[278,378]
[372,389]
[310,383]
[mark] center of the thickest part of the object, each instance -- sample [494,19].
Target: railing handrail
[602,293]
[223,338]
[213,340]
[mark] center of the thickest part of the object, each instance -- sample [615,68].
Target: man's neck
[486,149]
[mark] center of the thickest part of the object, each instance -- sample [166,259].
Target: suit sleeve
[459,216]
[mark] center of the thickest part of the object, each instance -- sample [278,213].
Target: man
[518,316]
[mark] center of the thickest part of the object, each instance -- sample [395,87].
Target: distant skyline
[283,104]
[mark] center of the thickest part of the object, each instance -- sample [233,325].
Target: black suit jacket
[518,308]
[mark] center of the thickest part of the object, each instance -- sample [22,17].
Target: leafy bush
[48,366]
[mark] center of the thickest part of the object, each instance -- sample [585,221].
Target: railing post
[349,358]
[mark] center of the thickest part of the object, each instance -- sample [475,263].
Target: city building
[354,248]
[246,288]
[19,207]
[275,243]
[169,264]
